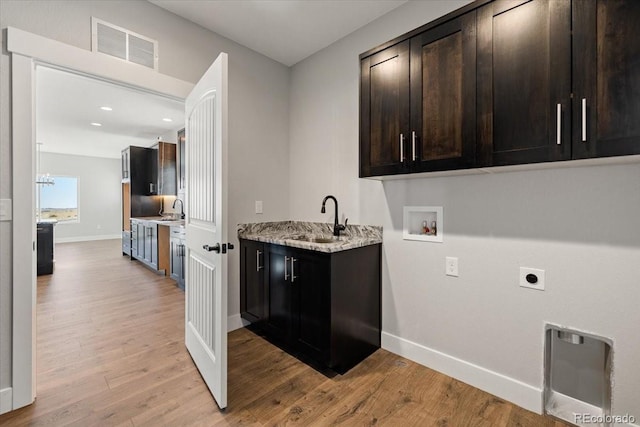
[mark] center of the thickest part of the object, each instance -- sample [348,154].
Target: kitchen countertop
[161,221]
[288,233]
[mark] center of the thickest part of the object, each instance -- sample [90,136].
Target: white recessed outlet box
[5,209]
[258,206]
[532,278]
[451,266]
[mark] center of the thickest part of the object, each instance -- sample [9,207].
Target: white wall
[99,195]
[579,224]
[258,113]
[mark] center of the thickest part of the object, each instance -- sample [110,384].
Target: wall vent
[121,43]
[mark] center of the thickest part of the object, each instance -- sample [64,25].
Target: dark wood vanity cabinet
[323,307]
[504,83]
[252,292]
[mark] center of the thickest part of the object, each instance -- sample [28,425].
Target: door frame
[28,50]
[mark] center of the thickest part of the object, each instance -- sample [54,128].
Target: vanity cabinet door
[606,78]
[252,283]
[524,82]
[311,283]
[278,321]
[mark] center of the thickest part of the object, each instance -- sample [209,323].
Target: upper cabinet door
[524,82]
[606,78]
[384,111]
[443,96]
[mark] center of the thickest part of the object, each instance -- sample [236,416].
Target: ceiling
[287,31]
[67,104]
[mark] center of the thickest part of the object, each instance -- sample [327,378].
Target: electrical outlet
[258,206]
[451,266]
[99,227]
[532,278]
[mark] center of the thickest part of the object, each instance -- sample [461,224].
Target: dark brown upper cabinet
[524,82]
[606,103]
[443,96]
[385,111]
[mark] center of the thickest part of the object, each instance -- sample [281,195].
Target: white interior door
[206,200]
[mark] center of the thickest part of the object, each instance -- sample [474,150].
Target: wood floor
[111,352]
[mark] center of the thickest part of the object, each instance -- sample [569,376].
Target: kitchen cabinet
[500,83]
[606,101]
[524,82]
[144,242]
[321,307]
[177,251]
[181,158]
[253,292]
[163,170]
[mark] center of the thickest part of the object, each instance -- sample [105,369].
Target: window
[60,200]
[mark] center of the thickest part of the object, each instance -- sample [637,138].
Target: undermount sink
[315,239]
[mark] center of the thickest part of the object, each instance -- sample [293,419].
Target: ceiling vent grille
[123,44]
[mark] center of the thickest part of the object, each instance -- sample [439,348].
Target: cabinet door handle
[293,275]
[584,119]
[413,145]
[286,260]
[401,148]
[559,124]
[258,266]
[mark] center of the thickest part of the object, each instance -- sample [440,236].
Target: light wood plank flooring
[111,353]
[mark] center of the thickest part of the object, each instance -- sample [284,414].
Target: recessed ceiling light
[106,108]
[166,119]
[96,124]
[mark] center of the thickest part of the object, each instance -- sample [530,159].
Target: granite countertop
[300,234]
[162,220]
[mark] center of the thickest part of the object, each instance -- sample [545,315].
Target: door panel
[524,73]
[607,77]
[206,272]
[279,299]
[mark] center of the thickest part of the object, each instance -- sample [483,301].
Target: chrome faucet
[337,228]
[181,207]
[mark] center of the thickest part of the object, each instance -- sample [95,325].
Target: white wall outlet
[451,266]
[532,278]
[258,206]
[99,227]
[5,209]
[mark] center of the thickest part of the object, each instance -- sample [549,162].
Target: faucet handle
[345,221]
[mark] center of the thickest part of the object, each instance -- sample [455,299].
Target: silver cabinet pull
[258,266]
[401,148]
[584,119]
[413,145]
[559,125]
[293,275]
[286,260]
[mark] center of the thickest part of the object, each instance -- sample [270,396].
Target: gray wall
[99,195]
[258,113]
[579,224]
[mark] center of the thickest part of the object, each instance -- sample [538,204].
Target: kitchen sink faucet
[181,207]
[337,228]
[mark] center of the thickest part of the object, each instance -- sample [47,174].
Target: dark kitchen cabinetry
[606,64]
[177,251]
[45,247]
[253,292]
[163,169]
[504,83]
[524,82]
[181,158]
[323,307]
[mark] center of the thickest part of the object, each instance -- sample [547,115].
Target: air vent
[124,44]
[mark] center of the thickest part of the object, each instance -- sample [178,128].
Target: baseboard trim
[87,238]
[235,322]
[6,400]
[507,388]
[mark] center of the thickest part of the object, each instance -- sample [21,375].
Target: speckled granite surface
[300,234]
